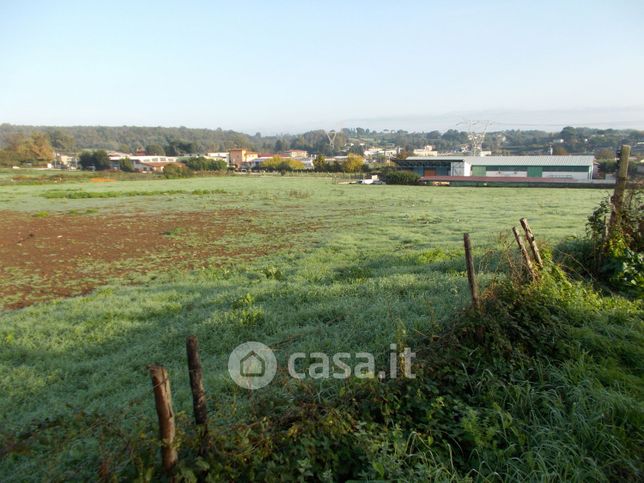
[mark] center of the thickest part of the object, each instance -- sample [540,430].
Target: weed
[274,273]
[175,231]
[299,194]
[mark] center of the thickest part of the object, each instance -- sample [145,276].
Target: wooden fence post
[198,392]
[471,276]
[524,252]
[165,413]
[617,200]
[531,241]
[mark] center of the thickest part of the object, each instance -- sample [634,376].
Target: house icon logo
[252,365]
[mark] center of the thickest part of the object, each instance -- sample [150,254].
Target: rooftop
[572,160]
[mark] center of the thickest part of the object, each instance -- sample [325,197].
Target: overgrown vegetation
[615,260]
[546,383]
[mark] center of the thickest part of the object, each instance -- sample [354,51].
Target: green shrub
[176,170]
[400,177]
[204,164]
[617,257]
[282,164]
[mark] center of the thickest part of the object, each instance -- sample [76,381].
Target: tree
[5,158]
[34,148]
[155,150]
[126,165]
[40,147]
[97,159]
[402,155]
[177,148]
[605,154]
[62,141]
[320,164]
[280,146]
[357,149]
[569,134]
[354,163]
[559,151]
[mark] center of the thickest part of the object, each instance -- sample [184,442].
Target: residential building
[426,151]
[239,156]
[380,153]
[218,155]
[297,153]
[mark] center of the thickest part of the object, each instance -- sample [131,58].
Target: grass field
[297,263]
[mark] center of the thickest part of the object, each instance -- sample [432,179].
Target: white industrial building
[577,168]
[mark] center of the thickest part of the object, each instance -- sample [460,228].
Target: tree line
[36,143]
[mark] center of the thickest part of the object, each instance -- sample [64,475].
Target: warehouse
[572,168]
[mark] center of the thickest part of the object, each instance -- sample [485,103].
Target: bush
[176,170]
[618,260]
[400,177]
[282,164]
[353,164]
[126,165]
[204,164]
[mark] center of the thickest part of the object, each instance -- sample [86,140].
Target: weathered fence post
[198,392]
[531,241]
[617,200]
[471,276]
[165,413]
[524,252]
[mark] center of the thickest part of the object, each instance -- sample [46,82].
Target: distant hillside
[130,138]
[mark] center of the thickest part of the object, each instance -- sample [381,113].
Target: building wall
[567,175]
[237,157]
[242,158]
[498,166]
[506,173]
[561,172]
[458,169]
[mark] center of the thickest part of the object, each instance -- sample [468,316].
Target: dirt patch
[44,258]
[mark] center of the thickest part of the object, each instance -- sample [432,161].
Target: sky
[291,66]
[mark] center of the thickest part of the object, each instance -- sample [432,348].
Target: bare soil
[49,257]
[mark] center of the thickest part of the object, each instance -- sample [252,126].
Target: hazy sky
[295,65]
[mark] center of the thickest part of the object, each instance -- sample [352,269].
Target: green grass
[382,265]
